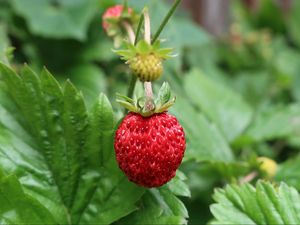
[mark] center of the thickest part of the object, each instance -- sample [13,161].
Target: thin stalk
[149,96]
[132,38]
[148,85]
[138,30]
[248,178]
[133,79]
[165,21]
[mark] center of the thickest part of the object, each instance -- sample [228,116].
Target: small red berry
[112,13]
[149,149]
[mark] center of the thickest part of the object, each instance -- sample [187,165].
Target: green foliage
[237,99]
[61,153]
[220,104]
[262,204]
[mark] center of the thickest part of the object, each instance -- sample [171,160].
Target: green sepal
[161,103]
[144,48]
[164,94]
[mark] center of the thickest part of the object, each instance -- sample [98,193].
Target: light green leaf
[164,94]
[204,140]
[276,122]
[57,19]
[19,208]
[263,204]
[289,172]
[222,105]
[177,185]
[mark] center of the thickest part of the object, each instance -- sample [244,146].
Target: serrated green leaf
[263,204]
[222,105]
[99,141]
[56,159]
[19,208]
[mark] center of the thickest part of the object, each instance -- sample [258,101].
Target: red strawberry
[112,13]
[149,149]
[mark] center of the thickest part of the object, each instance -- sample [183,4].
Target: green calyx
[143,48]
[161,103]
[145,60]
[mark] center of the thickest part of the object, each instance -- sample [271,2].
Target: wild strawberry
[145,60]
[149,149]
[112,14]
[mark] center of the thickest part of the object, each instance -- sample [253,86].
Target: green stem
[131,88]
[138,30]
[165,21]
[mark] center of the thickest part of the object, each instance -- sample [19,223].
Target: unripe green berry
[147,67]
[268,165]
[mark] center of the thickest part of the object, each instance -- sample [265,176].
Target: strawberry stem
[138,30]
[248,178]
[165,21]
[149,106]
[147,34]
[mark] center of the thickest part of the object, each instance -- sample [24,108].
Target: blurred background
[236,76]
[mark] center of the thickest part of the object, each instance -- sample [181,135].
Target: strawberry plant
[127,112]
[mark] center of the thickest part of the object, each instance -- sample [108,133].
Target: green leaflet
[18,207]
[62,154]
[263,204]
[223,106]
[205,141]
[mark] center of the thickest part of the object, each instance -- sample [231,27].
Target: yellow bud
[267,165]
